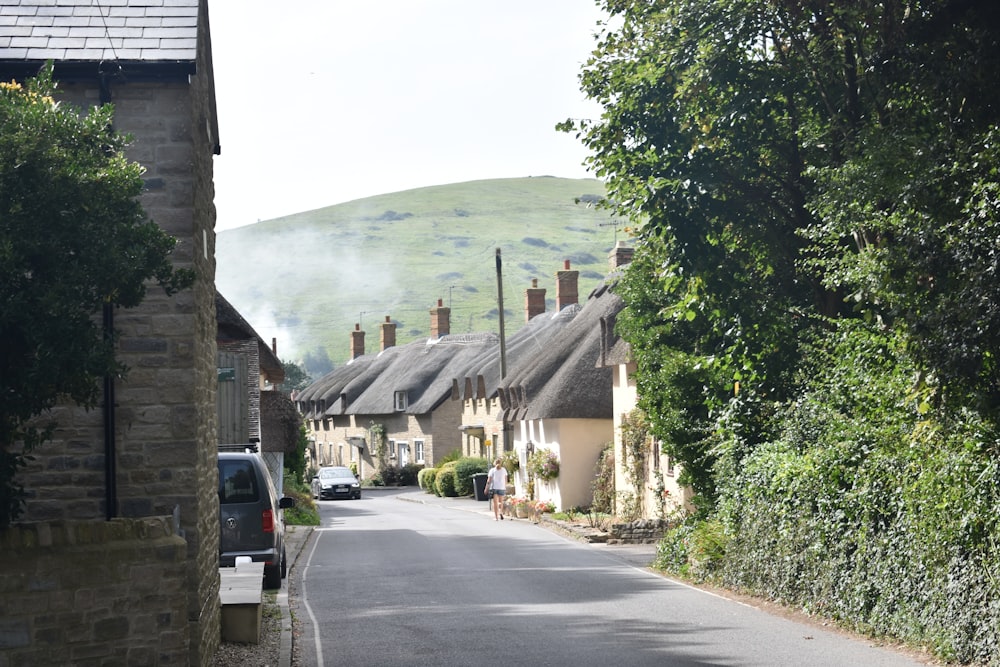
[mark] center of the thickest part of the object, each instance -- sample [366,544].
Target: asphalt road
[388,582]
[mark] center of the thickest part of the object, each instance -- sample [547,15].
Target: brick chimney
[387,334]
[440,320]
[620,255]
[534,300]
[566,288]
[357,342]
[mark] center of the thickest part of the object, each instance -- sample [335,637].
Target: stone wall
[94,593]
[643,531]
[165,416]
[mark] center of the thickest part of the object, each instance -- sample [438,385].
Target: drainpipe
[503,344]
[110,453]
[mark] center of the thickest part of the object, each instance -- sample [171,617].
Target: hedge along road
[386,582]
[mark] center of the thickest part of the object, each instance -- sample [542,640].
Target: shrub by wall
[444,481]
[425,478]
[869,508]
[465,468]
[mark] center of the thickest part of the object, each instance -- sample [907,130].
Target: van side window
[237,483]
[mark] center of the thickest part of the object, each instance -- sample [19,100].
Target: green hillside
[308,278]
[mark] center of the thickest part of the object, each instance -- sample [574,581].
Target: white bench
[241,594]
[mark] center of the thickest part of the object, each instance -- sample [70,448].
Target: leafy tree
[296,377]
[317,363]
[795,163]
[73,241]
[295,462]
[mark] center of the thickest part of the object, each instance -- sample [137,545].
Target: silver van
[250,514]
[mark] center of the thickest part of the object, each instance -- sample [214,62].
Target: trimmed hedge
[444,481]
[465,468]
[425,478]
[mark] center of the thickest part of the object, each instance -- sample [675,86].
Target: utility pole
[503,349]
[503,342]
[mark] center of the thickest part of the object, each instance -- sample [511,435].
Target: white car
[336,482]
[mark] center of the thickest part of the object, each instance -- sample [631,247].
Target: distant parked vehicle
[250,514]
[336,482]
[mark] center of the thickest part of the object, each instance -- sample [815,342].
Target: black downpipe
[110,449]
[110,453]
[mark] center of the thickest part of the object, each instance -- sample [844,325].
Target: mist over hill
[307,279]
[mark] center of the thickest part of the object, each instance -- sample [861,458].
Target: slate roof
[143,31]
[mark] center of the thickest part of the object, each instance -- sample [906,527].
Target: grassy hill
[308,278]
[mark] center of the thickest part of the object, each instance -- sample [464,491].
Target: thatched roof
[423,369]
[523,347]
[564,380]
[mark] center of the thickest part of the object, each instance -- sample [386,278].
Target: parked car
[250,514]
[336,482]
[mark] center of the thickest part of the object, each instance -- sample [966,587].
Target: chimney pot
[357,342]
[387,333]
[534,300]
[440,320]
[566,287]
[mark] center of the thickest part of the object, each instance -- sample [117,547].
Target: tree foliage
[73,240]
[813,307]
[296,378]
[793,162]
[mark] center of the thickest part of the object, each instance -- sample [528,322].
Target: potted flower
[544,464]
[520,505]
[544,507]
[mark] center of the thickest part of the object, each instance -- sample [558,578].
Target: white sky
[326,101]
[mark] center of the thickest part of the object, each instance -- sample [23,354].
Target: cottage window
[400,400]
[392,449]
[418,451]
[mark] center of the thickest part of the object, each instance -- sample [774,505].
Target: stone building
[402,392]
[116,561]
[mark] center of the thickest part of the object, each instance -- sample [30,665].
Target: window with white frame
[392,449]
[418,451]
[400,401]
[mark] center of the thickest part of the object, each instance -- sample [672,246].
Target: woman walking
[496,488]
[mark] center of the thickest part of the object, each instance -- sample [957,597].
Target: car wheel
[272,577]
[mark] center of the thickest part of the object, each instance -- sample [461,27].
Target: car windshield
[335,473]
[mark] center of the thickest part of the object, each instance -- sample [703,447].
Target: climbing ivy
[635,444]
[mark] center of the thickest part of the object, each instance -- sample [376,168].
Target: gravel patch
[264,654]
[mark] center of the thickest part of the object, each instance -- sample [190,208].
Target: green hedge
[865,509]
[465,468]
[444,481]
[425,478]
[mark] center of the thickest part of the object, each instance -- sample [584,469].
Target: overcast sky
[326,101]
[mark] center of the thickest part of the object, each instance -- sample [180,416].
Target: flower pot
[521,511]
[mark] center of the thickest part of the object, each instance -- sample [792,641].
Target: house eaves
[231,325]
